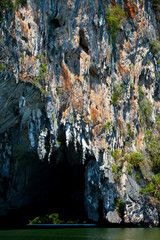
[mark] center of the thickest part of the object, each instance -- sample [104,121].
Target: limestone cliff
[79,83]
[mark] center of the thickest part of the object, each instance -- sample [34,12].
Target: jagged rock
[59,68]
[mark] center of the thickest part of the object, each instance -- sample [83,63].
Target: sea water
[82,234]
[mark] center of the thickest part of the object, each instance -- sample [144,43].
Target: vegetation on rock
[118,91]
[114,18]
[153,188]
[47,219]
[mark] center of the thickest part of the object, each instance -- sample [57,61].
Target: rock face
[72,92]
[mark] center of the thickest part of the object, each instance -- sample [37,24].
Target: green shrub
[117,154]
[114,18]
[59,143]
[152,139]
[136,158]
[153,188]
[131,133]
[155,3]
[58,91]
[117,171]
[145,107]
[138,177]
[107,125]
[119,206]
[141,93]
[6,5]
[129,168]
[2,67]
[131,87]
[114,168]
[118,91]
[42,71]
[47,219]
[155,46]
[73,119]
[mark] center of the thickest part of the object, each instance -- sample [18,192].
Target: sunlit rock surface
[56,89]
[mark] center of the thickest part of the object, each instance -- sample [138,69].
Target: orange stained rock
[67,84]
[127,45]
[140,140]
[69,3]
[84,59]
[66,111]
[26,29]
[97,129]
[34,59]
[94,115]
[130,8]
[102,143]
[120,123]
[123,69]
[78,103]
[113,3]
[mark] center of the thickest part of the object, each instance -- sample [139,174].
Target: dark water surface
[82,233]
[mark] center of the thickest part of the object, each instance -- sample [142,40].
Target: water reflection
[83,234]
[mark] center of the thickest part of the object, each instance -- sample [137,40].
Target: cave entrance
[60,188]
[57,186]
[68,181]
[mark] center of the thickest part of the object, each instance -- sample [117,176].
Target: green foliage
[2,67]
[130,132]
[52,116]
[73,119]
[41,56]
[117,154]
[114,128]
[107,125]
[146,108]
[153,145]
[114,168]
[138,177]
[117,171]
[119,205]
[58,91]
[87,79]
[59,143]
[6,5]
[141,93]
[155,46]
[135,158]
[47,219]
[131,87]
[39,82]
[118,91]
[117,167]
[42,71]
[127,143]
[153,188]
[22,56]
[129,168]
[114,18]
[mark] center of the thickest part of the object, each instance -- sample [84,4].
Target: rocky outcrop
[66,80]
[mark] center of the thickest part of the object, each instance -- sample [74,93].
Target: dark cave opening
[59,188]
[83,41]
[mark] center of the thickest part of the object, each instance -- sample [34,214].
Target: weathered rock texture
[56,92]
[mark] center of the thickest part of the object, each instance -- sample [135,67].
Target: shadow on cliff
[55,187]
